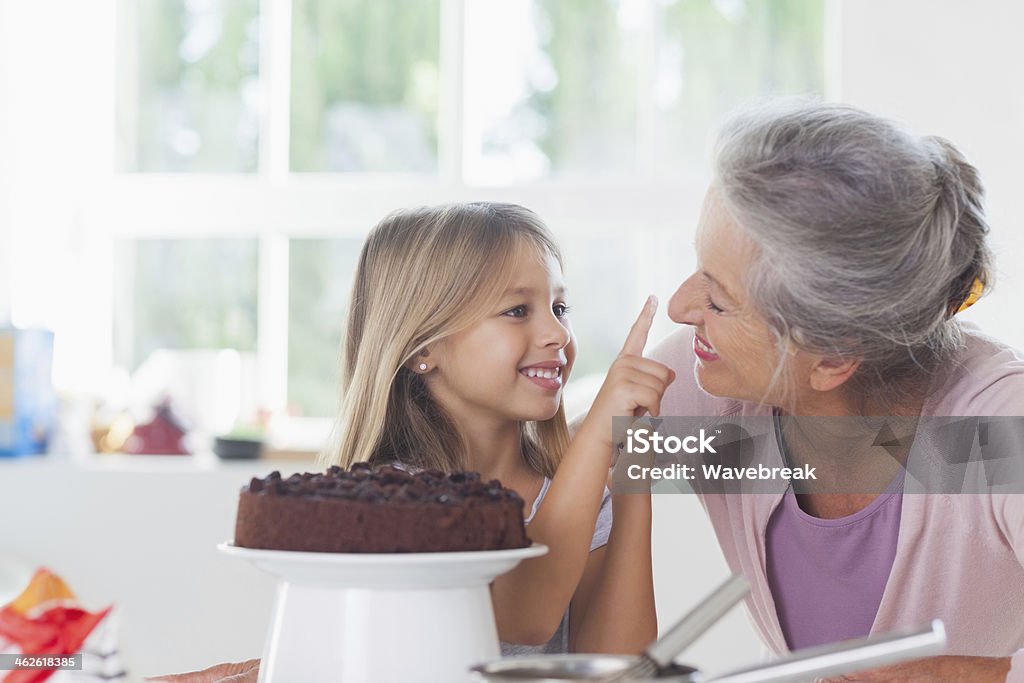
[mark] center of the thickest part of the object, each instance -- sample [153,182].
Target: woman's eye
[517,312]
[712,307]
[560,310]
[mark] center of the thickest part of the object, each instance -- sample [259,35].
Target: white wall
[954,69]
[56,148]
[6,231]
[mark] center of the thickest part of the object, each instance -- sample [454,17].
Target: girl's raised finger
[636,340]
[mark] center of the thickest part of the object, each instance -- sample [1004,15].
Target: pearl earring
[423,367]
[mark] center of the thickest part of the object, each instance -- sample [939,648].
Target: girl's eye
[712,307]
[560,310]
[517,312]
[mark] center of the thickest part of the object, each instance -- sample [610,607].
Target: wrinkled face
[736,351]
[512,364]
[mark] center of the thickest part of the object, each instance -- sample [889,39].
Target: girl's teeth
[704,347]
[540,372]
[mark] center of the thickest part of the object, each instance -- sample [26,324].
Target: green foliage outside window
[320,280]
[365,85]
[189,86]
[188,294]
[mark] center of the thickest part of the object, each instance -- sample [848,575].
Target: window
[184,294]
[280,132]
[364,85]
[320,279]
[188,87]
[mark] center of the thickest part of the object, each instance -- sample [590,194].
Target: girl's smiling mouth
[547,375]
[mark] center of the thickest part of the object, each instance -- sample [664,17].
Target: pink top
[958,557]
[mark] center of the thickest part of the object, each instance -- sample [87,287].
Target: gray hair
[870,237]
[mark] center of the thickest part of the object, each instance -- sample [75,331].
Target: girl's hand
[241,672]
[634,384]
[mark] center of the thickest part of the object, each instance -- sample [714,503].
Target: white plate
[386,570]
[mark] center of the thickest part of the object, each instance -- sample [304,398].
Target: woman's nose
[685,306]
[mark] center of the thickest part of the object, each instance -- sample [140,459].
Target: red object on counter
[59,629]
[163,435]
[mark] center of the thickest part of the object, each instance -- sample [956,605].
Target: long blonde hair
[425,274]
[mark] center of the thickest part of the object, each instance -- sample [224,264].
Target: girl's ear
[418,363]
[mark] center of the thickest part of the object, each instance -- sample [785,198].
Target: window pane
[550,87]
[712,56]
[184,294]
[320,282]
[188,85]
[365,85]
[601,307]
[609,276]
[614,86]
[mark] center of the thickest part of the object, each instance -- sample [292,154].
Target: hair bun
[961,198]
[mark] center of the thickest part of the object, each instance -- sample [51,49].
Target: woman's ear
[829,373]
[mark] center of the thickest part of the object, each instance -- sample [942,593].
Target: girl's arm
[530,600]
[613,608]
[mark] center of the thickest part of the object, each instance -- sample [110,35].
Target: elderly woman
[834,251]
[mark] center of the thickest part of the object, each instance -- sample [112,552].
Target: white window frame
[275,205]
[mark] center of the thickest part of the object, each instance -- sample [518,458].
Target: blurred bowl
[237,449]
[572,667]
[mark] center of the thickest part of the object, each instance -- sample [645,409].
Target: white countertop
[120,462]
[141,532]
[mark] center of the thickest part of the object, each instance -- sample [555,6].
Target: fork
[660,654]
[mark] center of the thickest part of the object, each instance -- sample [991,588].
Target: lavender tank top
[559,642]
[827,576]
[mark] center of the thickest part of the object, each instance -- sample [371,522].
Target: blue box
[27,398]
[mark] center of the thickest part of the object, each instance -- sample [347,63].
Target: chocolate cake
[383,510]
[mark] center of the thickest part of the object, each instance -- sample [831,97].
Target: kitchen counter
[141,532]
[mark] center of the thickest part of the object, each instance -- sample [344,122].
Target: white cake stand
[365,618]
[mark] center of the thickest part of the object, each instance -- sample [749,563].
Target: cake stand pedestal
[365,618]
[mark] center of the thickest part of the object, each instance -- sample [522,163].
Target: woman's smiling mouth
[703,350]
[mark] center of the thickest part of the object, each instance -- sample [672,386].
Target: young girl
[457,348]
